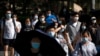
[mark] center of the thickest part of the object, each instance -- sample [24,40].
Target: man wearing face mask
[35,46]
[41,24]
[50,18]
[8,33]
[73,26]
[94,29]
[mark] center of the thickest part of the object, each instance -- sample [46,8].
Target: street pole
[93,4]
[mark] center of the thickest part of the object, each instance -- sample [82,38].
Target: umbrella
[49,44]
[77,8]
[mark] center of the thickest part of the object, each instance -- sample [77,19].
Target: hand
[94,30]
[17,29]
[54,20]
[62,26]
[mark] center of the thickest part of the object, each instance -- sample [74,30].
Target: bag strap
[14,23]
[80,45]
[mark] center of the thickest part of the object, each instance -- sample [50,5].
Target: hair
[50,26]
[74,13]
[86,31]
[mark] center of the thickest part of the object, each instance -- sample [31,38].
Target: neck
[8,18]
[34,50]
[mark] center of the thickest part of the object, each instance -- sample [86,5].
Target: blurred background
[27,7]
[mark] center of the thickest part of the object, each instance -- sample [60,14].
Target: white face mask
[49,14]
[85,39]
[28,24]
[51,33]
[83,27]
[56,26]
[76,18]
[94,21]
[42,19]
[8,16]
[36,16]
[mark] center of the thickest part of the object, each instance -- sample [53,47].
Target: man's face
[75,18]
[8,14]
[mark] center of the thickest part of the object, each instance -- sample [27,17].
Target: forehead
[76,15]
[36,39]
[8,11]
[85,34]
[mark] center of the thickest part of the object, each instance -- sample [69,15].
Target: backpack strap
[80,45]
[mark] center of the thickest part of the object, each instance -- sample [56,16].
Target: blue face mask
[35,45]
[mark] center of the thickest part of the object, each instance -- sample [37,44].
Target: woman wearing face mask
[84,27]
[85,47]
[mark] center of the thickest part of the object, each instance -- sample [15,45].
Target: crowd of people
[76,37]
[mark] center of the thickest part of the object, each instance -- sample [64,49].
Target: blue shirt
[49,19]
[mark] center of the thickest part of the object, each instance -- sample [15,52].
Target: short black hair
[86,31]
[73,13]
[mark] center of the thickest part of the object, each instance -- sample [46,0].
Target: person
[94,29]
[34,20]
[85,47]
[17,23]
[28,25]
[73,26]
[9,31]
[38,45]
[52,31]
[64,40]
[41,24]
[50,18]
[35,46]
[84,27]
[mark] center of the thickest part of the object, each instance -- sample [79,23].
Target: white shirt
[87,50]
[9,30]
[75,24]
[34,22]
[18,25]
[61,40]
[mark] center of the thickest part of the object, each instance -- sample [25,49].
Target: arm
[77,39]
[94,50]
[18,27]
[76,51]
[66,36]
[59,28]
